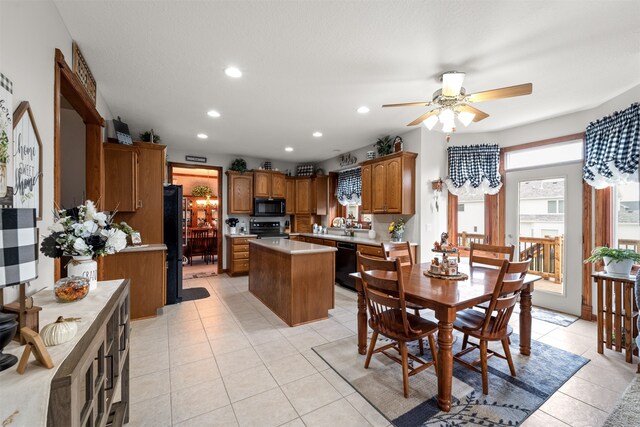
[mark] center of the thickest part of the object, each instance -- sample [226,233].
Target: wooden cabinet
[239,193]
[312,195]
[269,184]
[83,389]
[303,196]
[290,195]
[238,253]
[121,177]
[321,196]
[388,184]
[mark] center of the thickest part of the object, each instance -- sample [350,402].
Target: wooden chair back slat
[480,253]
[398,250]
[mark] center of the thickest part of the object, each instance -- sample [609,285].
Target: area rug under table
[509,402]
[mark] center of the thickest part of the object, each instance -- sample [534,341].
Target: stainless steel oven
[269,207]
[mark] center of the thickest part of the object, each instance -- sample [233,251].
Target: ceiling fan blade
[479,115]
[452,83]
[423,118]
[505,92]
[410,104]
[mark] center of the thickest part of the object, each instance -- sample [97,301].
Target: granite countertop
[356,239]
[234,236]
[145,248]
[292,247]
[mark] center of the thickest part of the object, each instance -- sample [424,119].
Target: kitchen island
[294,279]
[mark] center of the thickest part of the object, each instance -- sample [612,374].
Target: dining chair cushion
[471,321]
[392,328]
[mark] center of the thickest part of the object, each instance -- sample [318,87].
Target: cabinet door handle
[110,357]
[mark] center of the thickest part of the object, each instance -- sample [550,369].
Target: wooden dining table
[446,298]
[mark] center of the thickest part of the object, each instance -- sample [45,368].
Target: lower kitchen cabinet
[238,255]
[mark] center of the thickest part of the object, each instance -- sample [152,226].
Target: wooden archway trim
[66,84]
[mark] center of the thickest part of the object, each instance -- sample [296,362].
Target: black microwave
[269,207]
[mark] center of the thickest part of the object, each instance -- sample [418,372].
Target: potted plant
[202,191]
[384,145]
[232,222]
[239,165]
[148,135]
[396,230]
[616,261]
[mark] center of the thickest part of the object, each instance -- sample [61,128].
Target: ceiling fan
[452,102]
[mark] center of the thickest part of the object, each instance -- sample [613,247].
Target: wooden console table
[617,313]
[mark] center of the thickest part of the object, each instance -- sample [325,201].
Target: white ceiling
[308,65]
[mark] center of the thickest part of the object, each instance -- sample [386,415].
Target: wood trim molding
[603,235]
[543,142]
[587,295]
[501,202]
[452,217]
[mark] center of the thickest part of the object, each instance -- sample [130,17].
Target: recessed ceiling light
[289,149]
[233,72]
[317,134]
[213,113]
[202,136]
[363,110]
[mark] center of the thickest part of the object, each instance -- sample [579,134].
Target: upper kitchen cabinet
[303,196]
[311,195]
[388,184]
[321,196]
[290,192]
[121,177]
[239,193]
[269,184]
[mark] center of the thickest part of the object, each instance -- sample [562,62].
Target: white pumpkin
[61,331]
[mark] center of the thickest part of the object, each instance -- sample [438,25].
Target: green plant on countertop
[384,145]
[124,227]
[239,165]
[201,191]
[232,222]
[146,137]
[4,147]
[616,255]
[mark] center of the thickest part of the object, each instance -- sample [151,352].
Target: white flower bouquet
[82,231]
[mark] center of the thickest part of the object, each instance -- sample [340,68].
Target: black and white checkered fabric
[613,148]
[6,83]
[474,167]
[349,189]
[18,246]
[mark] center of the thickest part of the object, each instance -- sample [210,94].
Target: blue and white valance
[474,169]
[349,190]
[613,148]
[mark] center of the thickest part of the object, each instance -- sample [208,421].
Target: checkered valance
[18,246]
[474,169]
[349,190]
[613,148]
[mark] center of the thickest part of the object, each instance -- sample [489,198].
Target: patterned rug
[550,316]
[509,402]
[189,276]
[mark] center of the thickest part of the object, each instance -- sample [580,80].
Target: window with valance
[474,169]
[349,189]
[613,148]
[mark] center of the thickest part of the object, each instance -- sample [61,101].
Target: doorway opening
[201,218]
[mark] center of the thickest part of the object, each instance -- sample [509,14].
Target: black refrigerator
[173,226]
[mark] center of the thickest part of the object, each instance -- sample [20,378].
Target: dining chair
[480,253]
[402,251]
[493,324]
[199,246]
[384,293]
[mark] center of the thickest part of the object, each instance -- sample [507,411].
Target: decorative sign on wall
[198,159]
[122,132]
[26,159]
[6,137]
[81,69]
[348,159]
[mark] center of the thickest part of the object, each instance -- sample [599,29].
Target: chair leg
[420,341]
[485,368]
[372,346]
[507,353]
[405,367]
[465,341]
[434,353]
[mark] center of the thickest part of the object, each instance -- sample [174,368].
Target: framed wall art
[6,138]
[26,161]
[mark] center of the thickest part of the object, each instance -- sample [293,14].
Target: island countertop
[356,239]
[292,247]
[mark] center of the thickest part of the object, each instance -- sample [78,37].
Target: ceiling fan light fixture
[466,117]
[430,122]
[447,128]
[452,83]
[446,116]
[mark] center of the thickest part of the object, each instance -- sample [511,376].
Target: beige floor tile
[334,332]
[583,327]
[295,423]
[275,350]
[148,346]
[149,363]
[154,412]
[197,400]
[222,417]
[315,360]
[190,353]
[290,368]
[190,374]
[236,361]
[343,387]
[310,393]
[573,411]
[148,386]
[339,413]
[307,340]
[249,382]
[290,331]
[614,378]
[590,393]
[366,410]
[567,341]
[229,343]
[264,336]
[268,409]
[542,419]
[611,359]
[187,339]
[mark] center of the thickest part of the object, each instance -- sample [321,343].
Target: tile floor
[228,360]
